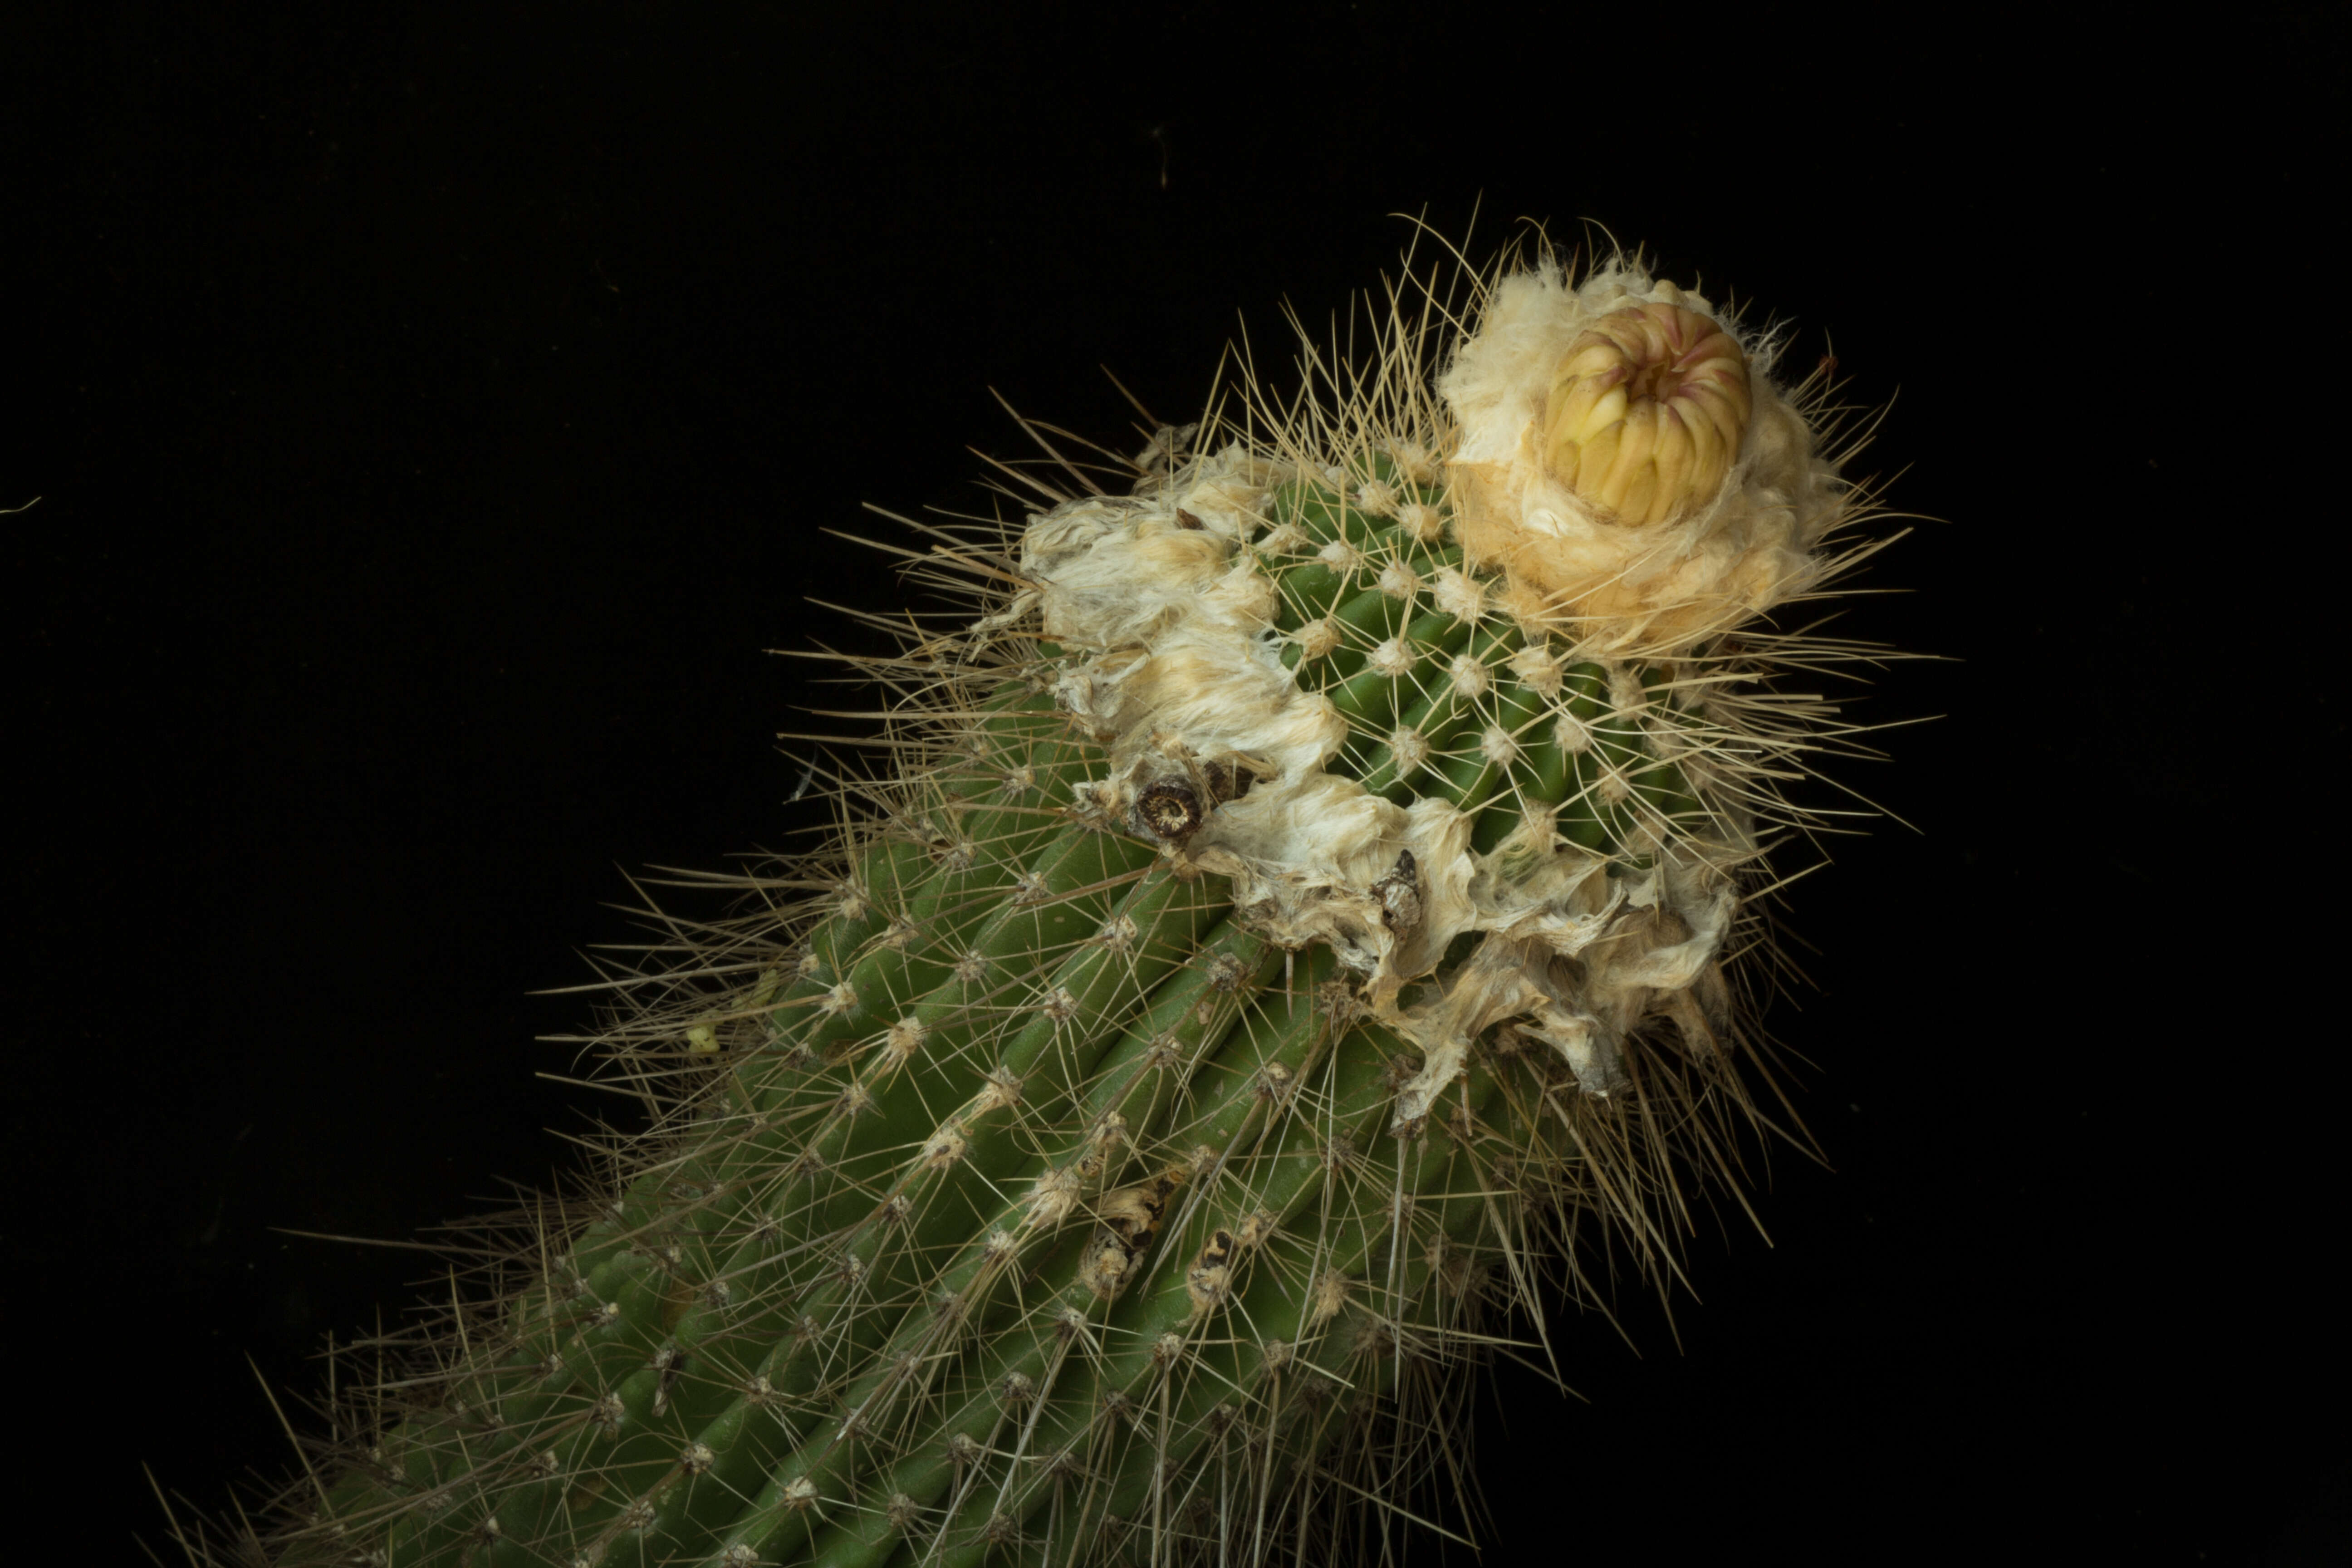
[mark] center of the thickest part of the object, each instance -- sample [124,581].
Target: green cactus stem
[1298,928]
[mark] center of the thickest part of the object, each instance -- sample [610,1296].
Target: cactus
[1309,913]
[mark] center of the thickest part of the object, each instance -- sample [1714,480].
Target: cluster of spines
[1445,694]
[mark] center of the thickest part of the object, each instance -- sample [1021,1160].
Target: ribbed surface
[1030,1199]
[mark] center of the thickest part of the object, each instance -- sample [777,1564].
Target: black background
[434,421]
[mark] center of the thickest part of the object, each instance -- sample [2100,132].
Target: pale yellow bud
[1644,415]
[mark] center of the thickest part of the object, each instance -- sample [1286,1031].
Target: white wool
[1410,749]
[1343,558]
[1172,662]
[1469,676]
[1460,595]
[1538,669]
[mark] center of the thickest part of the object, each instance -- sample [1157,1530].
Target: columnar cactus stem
[1311,884]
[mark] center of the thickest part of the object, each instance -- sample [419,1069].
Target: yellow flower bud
[1645,412]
